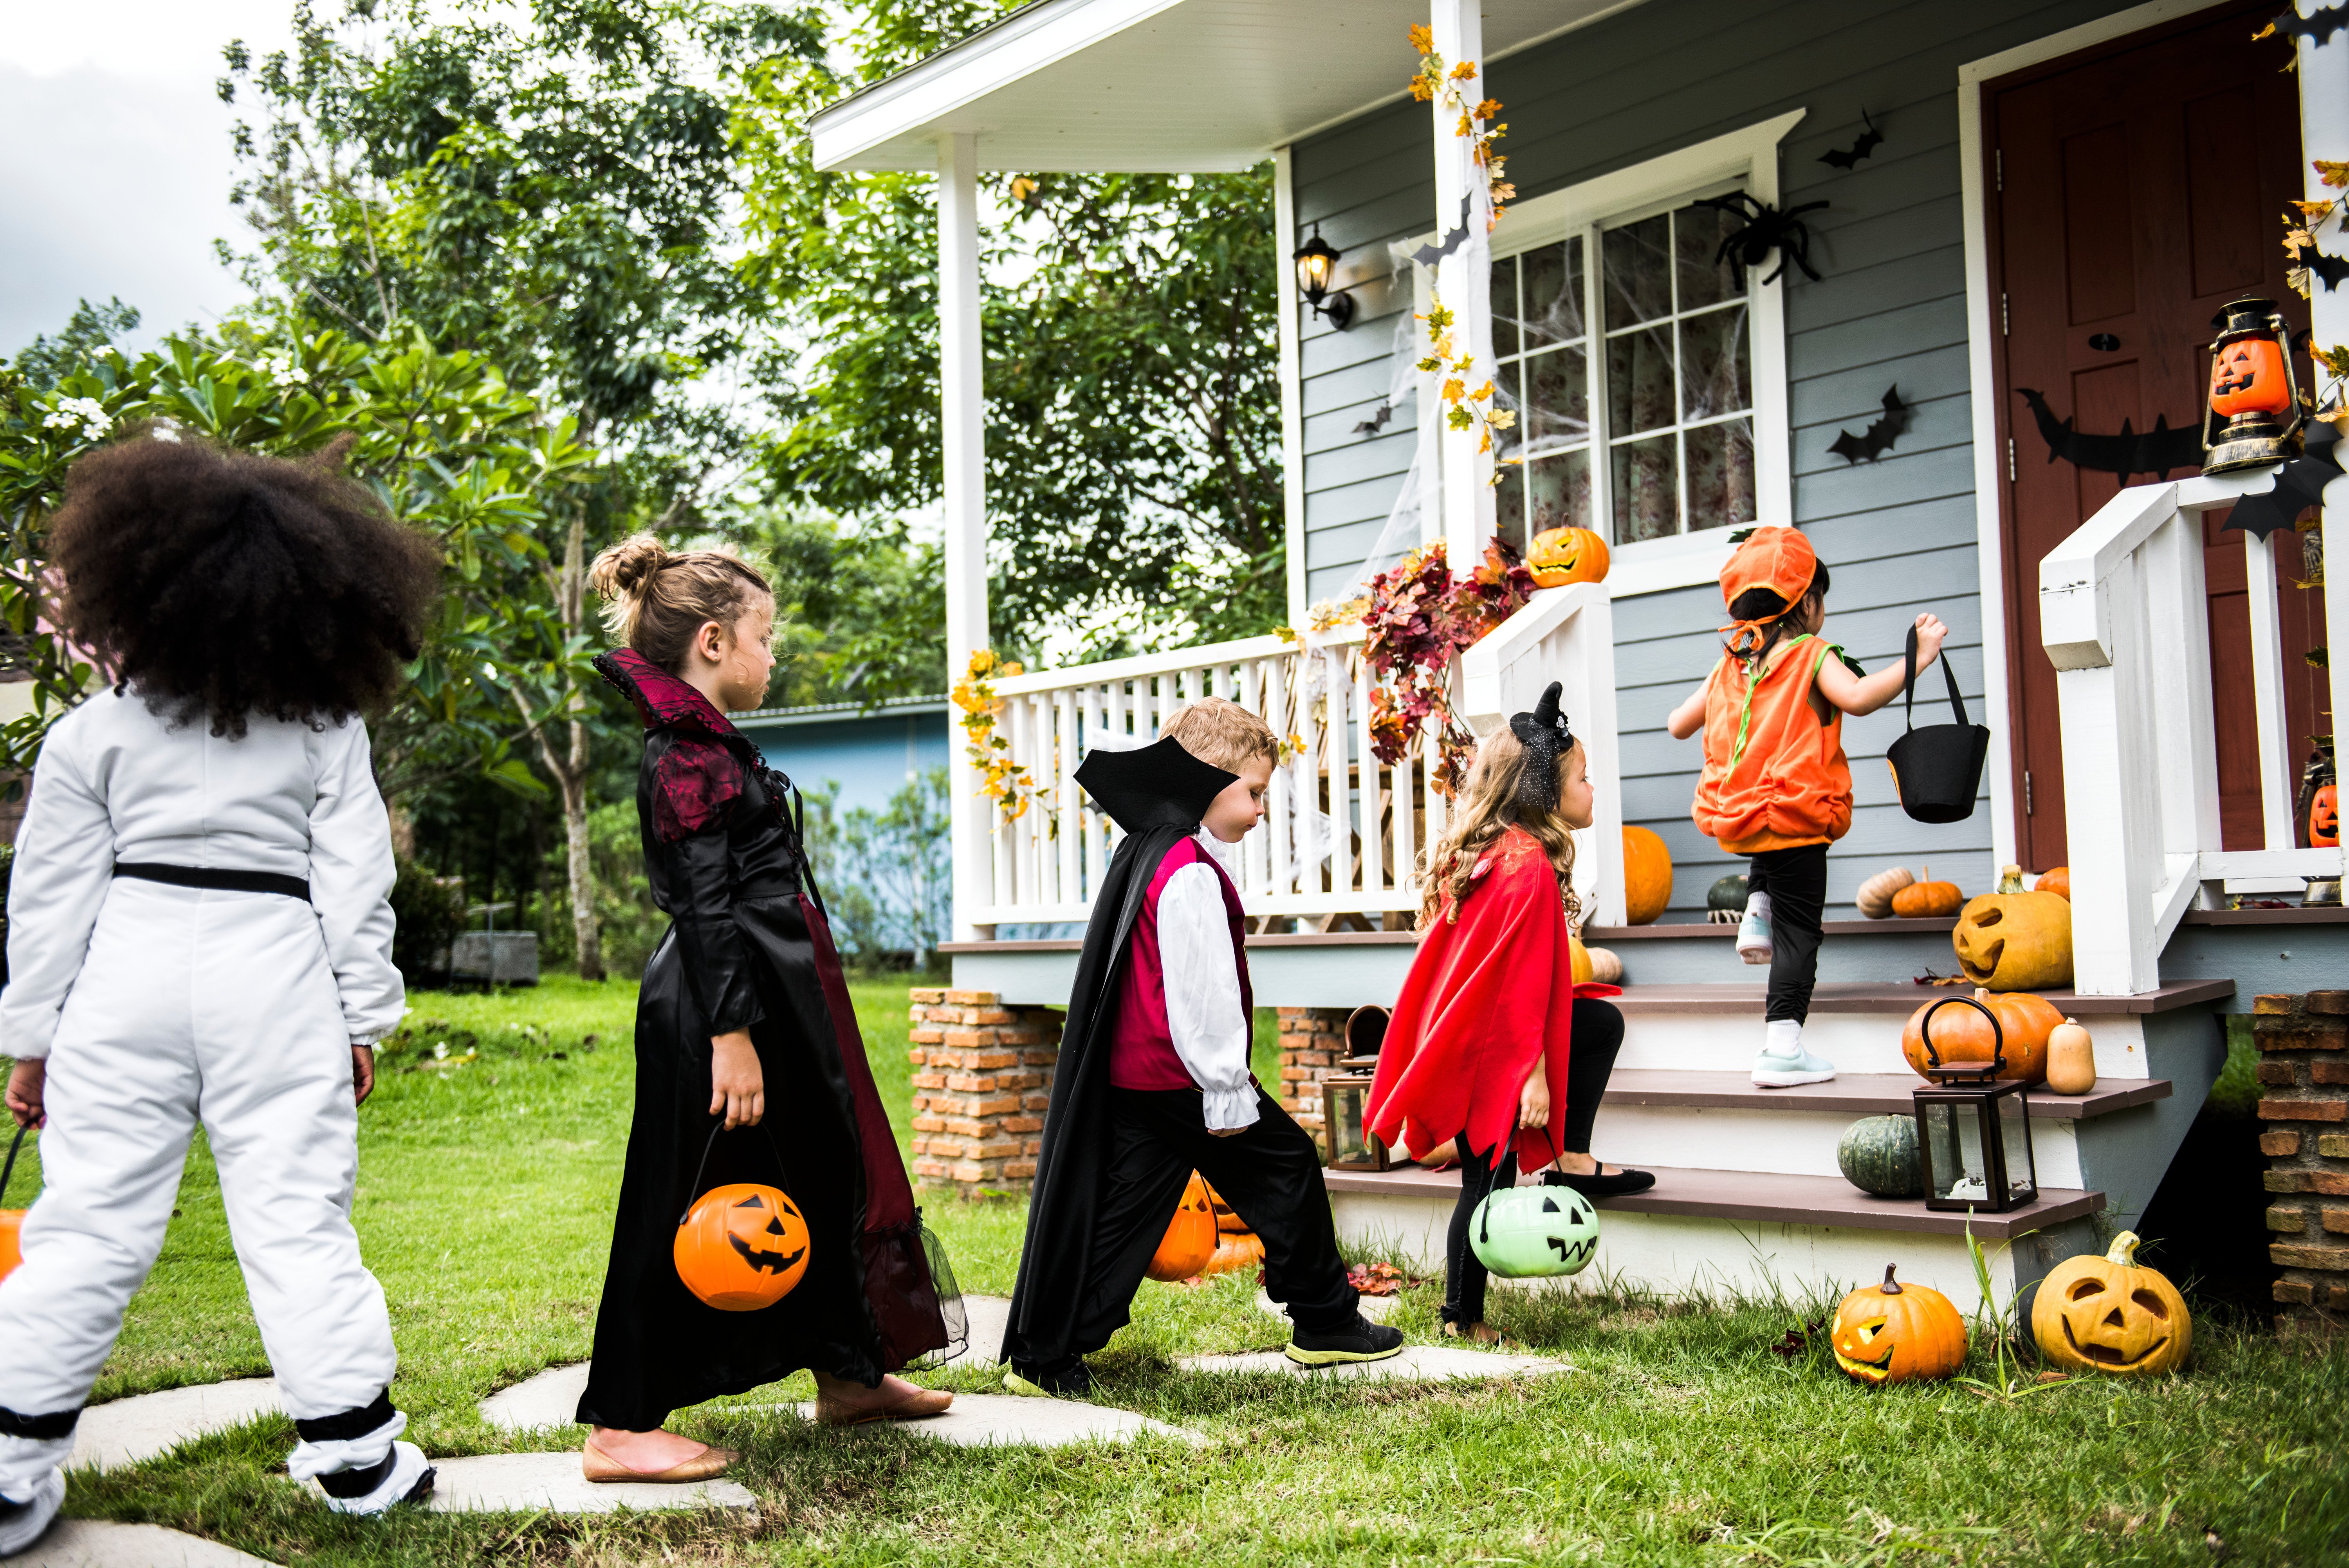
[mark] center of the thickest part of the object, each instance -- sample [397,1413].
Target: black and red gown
[747,947]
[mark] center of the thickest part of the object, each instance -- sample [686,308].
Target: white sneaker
[1753,930]
[21,1523]
[1777,1070]
[406,1477]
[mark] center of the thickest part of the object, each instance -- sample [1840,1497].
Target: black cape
[1157,793]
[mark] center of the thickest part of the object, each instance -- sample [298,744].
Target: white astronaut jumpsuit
[157,1005]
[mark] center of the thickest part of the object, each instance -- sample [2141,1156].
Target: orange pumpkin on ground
[1893,1333]
[1562,556]
[1236,1251]
[742,1246]
[1961,1033]
[1647,876]
[1927,900]
[2015,941]
[2111,1314]
[1189,1244]
[2057,881]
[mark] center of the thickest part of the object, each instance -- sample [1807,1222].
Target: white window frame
[1746,158]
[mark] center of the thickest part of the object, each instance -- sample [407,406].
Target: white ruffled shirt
[116,783]
[1208,1022]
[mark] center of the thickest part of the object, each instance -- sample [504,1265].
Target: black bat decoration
[2299,485]
[2316,30]
[2156,451]
[2332,269]
[1376,421]
[1765,229]
[1880,435]
[1428,256]
[1870,139]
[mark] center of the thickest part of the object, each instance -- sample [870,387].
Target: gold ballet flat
[599,1466]
[913,1406]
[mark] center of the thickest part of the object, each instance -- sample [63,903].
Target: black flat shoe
[1596,1186]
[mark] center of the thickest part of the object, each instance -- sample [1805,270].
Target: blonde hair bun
[627,567]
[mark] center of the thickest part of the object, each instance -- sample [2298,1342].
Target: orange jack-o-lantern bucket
[1189,1244]
[2324,817]
[2247,377]
[742,1246]
[12,1220]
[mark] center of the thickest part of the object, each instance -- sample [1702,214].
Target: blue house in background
[870,753]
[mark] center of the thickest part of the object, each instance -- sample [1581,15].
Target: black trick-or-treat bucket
[1936,771]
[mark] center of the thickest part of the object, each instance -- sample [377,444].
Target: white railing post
[2324,76]
[962,410]
[1463,278]
[2267,691]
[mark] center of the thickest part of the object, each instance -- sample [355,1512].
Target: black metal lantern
[2257,412]
[1316,263]
[1973,1127]
[1345,1096]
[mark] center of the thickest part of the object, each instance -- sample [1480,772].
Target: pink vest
[1142,1047]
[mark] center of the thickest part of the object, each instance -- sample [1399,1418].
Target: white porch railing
[2124,617]
[1344,831]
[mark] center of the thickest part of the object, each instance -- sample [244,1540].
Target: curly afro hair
[222,584]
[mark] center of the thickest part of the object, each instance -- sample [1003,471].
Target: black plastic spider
[1766,229]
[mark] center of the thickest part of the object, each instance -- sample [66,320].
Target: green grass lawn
[486,1182]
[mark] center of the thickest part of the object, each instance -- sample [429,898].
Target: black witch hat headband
[1546,738]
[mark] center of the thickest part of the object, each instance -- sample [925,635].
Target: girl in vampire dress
[747,1049]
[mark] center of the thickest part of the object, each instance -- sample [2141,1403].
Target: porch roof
[1154,86]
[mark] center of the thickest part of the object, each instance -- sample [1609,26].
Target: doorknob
[2104,343]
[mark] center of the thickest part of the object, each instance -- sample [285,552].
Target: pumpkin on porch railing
[1647,876]
[2015,941]
[1561,556]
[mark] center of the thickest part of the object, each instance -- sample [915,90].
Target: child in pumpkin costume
[199,931]
[1777,785]
[1492,1042]
[1154,1079]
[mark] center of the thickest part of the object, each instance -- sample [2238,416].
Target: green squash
[1523,1232]
[1728,894]
[1878,1154]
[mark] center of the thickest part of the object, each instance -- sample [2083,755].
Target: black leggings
[1597,1037]
[1796,881]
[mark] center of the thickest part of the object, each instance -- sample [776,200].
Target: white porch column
[1288,301]
[1464,279]
[962,410]
[2324,134]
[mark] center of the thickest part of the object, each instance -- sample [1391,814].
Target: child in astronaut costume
[198,930]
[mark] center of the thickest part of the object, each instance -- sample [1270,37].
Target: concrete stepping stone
[549,1398]
[104,1544]
[127,1431]
[984,1420]
[530,1483]
[987,1319]
[1377,1309]
[1428,1361]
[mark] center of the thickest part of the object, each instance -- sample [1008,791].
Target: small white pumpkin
[2071,1060]
[1605,967]
[1875,895]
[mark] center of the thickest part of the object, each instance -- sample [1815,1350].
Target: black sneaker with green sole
[1360,1340]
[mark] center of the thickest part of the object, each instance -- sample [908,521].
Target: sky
[117,177]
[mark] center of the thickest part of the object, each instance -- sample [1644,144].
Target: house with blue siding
[867,754]
[1939,285]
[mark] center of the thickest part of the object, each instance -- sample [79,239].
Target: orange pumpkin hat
[1779,559]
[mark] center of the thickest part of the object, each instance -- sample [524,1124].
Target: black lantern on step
[1345,1096]
[1316,263]
[1973,1127]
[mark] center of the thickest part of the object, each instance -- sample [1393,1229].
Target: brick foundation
[2303,1072]
[982,1077]
[1312,1042]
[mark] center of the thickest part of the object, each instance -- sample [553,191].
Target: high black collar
[1156,785]
[665,702]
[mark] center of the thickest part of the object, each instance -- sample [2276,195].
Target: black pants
[1597,1037]
[1796,881]
[1270,1174]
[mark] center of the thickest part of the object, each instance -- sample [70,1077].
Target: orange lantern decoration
[741,1247]
[2256,415]
[2324,817]
[1190,1241]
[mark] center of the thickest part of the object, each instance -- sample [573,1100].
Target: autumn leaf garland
[2300,248]
[1419,620]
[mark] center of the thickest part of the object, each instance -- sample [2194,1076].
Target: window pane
[1560,487]
[1698,232]
[1716,372]
[1558,388]
[1647,489]
[1553,294]
[1509,507]
[1638,272]
[1721,475]
[1505,307]
[1639,380]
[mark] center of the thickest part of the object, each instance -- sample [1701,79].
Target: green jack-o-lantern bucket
[1525,1233]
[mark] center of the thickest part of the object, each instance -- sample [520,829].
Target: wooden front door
[2136,189]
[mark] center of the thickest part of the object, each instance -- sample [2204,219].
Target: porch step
[1861,996]
[1853,1094]
[1760,1196]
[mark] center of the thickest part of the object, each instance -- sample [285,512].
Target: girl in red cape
[1492,1042]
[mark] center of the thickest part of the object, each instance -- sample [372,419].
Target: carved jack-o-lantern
[742,1246]
[2111,1314]
[2247,377]
[2015,941]
[2324,817]
[1892,1332]
[1190,1241]
[1562,556]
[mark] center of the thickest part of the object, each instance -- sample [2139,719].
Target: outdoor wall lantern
[1353,1147]
[2256,417]
[1317,261]
[1973,1127]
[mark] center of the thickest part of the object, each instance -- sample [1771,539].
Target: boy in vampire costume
[1154,1079]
